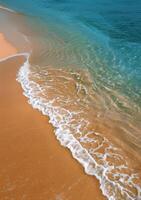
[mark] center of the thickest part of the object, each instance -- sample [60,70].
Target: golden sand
[33,164]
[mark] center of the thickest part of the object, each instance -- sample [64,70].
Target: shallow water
[85,74]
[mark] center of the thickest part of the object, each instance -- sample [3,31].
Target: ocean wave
[7,9]
[50,90]
[73,106]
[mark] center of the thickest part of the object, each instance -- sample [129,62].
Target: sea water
[84,72]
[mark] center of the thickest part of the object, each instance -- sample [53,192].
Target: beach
[70,108]
[33,163]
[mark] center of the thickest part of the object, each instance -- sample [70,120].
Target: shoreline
[35,165]
[36,140]
[7,49]
[7,9]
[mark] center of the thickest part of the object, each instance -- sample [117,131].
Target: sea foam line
[26,55]
[64,136]
[7,9]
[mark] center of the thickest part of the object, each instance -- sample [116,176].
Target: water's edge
[81,154]
[98,156]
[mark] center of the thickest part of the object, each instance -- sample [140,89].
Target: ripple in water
[68,98]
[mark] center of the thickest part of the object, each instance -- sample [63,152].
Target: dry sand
[33,165]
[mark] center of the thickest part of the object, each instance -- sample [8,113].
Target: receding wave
[7,9]
[68,98]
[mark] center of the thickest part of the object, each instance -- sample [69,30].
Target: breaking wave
[65,95]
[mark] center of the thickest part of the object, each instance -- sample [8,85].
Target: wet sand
[34,165]
[6,49]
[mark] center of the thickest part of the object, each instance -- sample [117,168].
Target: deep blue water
[110,33]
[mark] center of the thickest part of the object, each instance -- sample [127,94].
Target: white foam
[7,9]
[92,167]
[14,55]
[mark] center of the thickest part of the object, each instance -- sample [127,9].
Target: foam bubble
[98,156]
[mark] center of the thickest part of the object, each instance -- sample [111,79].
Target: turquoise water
[110,31]
[85,74]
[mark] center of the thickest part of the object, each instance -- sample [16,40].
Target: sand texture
[34,165]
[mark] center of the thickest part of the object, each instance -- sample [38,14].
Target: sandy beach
[33,164]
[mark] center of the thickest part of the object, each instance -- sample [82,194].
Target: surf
[97,154]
